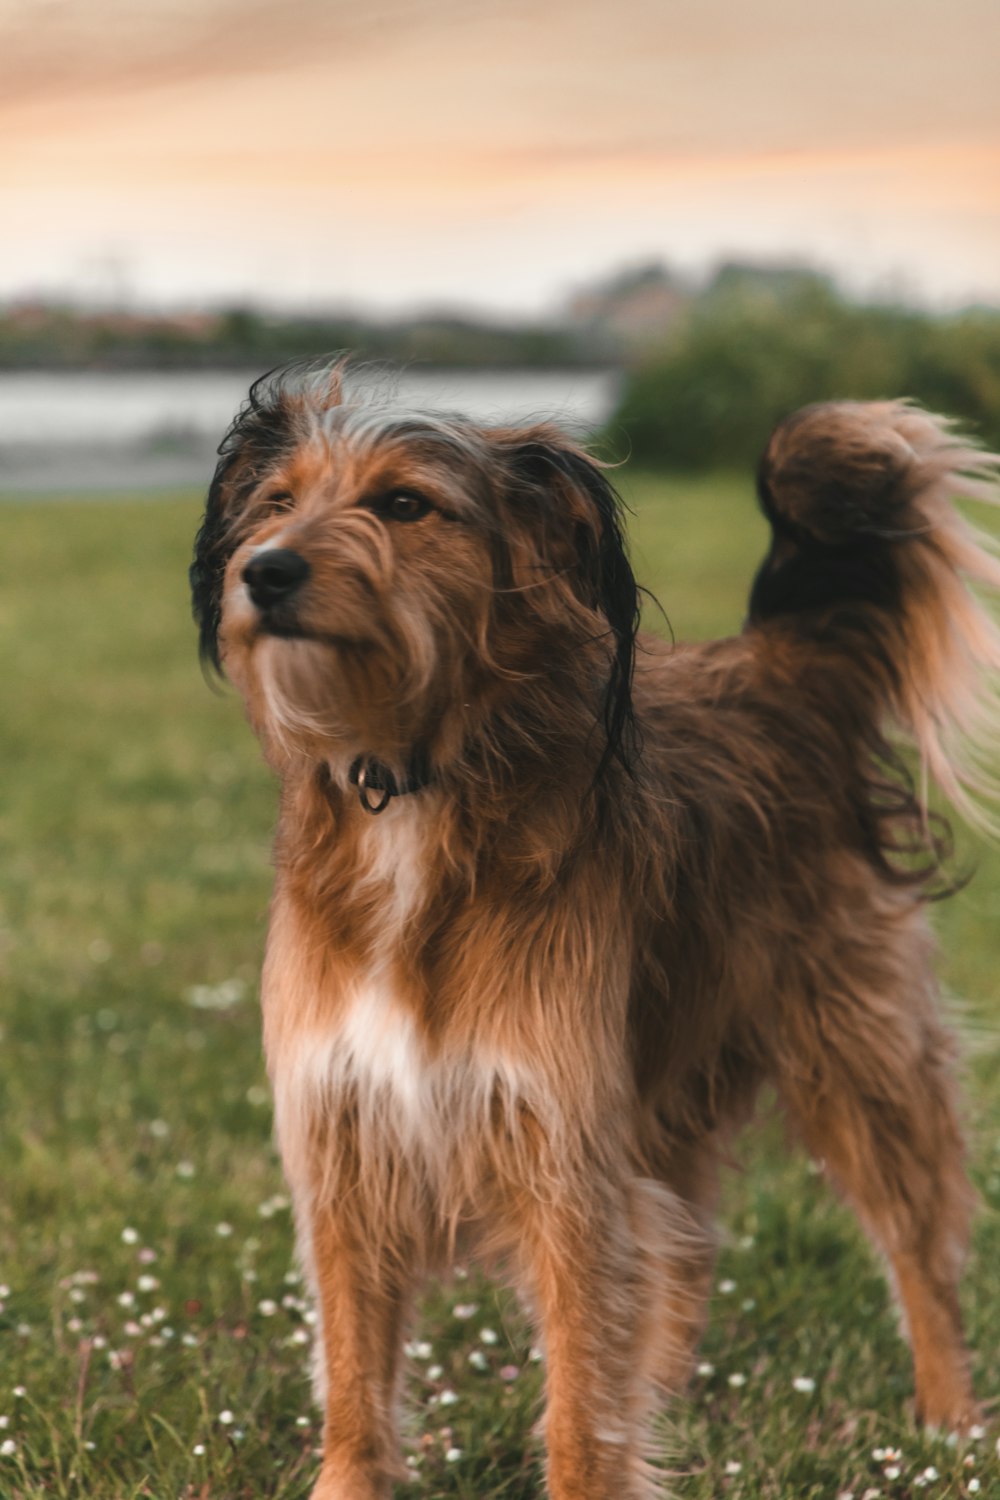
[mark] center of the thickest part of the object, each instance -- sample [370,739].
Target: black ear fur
[260,432]
[205,574]
[604,573]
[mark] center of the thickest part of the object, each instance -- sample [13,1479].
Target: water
[83,430]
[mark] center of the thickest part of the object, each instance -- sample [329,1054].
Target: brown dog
[549,910]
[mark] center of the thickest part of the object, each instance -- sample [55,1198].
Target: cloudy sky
[387,153]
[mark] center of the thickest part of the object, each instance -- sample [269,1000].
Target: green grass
[135,821]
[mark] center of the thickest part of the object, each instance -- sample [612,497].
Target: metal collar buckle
[366,793]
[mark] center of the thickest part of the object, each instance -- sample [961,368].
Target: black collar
[372,776]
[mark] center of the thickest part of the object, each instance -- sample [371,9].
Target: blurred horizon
[491,160]
[106,292]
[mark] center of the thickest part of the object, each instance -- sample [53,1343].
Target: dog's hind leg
[875,1101]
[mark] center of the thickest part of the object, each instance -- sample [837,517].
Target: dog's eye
[280,500]
[403,505]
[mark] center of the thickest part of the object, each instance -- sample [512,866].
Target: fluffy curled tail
[870,556]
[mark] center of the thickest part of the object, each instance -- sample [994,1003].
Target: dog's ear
[581,512]
[261,432]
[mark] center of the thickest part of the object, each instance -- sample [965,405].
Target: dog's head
[377,581]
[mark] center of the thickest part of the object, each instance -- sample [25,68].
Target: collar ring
[366,793]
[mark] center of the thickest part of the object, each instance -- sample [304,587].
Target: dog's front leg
[585,1276]
[363,1298]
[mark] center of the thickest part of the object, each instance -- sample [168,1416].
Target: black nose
[272,577]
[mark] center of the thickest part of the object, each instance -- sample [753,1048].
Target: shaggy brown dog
[607,893]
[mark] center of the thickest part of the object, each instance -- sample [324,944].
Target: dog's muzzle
[274,577]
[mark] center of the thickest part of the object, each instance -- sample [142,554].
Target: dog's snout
[273,576]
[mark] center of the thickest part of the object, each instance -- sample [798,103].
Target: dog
[554,898]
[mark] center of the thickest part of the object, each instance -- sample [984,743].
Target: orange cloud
[872,129]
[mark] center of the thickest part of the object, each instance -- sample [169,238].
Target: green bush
[749,351]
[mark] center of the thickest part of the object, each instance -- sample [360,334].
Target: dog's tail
[870,557]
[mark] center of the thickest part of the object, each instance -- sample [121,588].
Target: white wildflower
[216,996]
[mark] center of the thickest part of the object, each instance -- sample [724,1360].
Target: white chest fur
[373,1057]
[366,1047]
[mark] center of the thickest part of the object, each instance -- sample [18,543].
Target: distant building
[632,310]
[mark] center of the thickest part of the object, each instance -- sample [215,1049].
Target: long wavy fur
[518,1005]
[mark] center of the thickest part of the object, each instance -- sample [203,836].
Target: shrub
[747,353]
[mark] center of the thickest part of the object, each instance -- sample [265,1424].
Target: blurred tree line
[756,344]
[708,371]
[44,337]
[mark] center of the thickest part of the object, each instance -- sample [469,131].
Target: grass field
[153,1335]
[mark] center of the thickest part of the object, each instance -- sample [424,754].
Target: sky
[388,154]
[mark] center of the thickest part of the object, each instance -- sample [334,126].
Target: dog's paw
[950,1413]
[337,1485]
